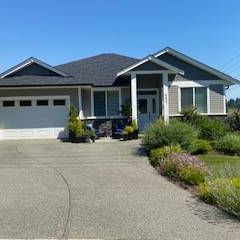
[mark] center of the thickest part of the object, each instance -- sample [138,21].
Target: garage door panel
[33,122]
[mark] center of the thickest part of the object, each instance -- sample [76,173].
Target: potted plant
[129,129]
[125,135]
[135,129]
[88,134]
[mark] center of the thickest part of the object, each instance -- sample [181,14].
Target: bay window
[194,97]
[106,103]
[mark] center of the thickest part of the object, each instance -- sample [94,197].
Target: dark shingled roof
[100,70]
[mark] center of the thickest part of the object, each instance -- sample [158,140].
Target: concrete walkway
[106,190]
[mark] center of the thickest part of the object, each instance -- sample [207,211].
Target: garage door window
[59,102]
[42,102]
[8,103]
[25,103]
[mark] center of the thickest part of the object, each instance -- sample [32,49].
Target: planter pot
[125,137]
[85,139]
[135,134]
[93,138]
[130,136]
[71,136]
[82,139]
[77,140]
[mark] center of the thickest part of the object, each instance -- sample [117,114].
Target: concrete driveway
[106,190]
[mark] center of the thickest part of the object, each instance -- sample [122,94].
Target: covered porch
[149,89]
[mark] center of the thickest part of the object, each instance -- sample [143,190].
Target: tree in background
[233,103]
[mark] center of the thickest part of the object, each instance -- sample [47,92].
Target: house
[35,97]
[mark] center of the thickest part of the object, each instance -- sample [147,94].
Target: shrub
[200,146]
[233,120]
[192,175]
[211,129]
[225,192]
[175,133]
[190,115]
[204,193]
[73,122]
[222,188]
[129,129]
[184,167]
[229,144]
[158,154]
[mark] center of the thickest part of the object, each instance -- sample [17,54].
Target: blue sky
[61,31]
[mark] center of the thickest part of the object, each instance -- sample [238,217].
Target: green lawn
[218,160]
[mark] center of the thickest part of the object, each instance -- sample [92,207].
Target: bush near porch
[176,133]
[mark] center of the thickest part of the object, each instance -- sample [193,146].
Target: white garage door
[33,117]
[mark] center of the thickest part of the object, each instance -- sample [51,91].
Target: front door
[147,110]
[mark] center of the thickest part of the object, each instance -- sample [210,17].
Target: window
[112,103]
[201,99]
[42,102]
[106,103]
[99,103]
[186,98]
[153,105]
[25,103]
[8,103]
[59,102]
[142,105]
[194,97]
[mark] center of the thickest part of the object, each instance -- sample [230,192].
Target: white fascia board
[198,64]
[154,60]
[132,66]
[28,62]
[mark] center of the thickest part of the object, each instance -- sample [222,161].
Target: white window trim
[104,89]
[194,99]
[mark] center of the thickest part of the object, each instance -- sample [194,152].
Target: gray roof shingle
[100,70]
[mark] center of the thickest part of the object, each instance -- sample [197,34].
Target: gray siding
[72,92]
[34,69]
[173,100]
[190,72]
[216,99]
[86,101]
[148,66]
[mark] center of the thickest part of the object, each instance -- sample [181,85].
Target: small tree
[73,122]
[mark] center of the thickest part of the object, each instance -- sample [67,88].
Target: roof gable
[32,66]
[152,63]
[201,66]
[191,72]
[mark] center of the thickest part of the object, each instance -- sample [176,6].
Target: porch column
[165,100]
[134,95]
[80,115]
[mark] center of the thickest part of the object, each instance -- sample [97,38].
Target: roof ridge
[95,56]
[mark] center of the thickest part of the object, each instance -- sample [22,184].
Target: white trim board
[155,60]
[28,62]
[199,83]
